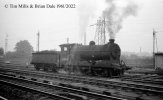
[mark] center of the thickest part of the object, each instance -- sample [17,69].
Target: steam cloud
[86,10]
[115,13]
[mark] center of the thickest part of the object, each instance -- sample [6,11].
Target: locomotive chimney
[111,40]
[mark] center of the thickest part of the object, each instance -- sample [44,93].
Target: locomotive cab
[65,53]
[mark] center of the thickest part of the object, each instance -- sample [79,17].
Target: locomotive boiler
[94,52]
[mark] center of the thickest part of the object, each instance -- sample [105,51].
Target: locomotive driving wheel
[45,67]
[110,72]
[37,67]
[105,72]
[54,69]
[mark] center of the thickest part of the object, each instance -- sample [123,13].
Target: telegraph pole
[104,30]
[154,36]
[38,40]
[6,43]
[85,38]
[67,40]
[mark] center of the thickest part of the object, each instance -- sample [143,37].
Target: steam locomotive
[92,59]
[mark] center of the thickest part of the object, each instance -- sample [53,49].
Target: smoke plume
[86,10]
[115,13]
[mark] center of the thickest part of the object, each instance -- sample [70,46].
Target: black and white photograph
[81,49]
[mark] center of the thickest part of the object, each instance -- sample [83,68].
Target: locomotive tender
[96,60]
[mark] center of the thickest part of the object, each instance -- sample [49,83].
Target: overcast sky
[57,24]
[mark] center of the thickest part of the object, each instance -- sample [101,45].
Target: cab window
[65,49]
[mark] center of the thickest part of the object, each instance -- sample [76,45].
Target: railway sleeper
[33,79]
[74,96]
[46,81]
[70,86]
[22,77]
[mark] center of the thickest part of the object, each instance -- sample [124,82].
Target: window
[65,49]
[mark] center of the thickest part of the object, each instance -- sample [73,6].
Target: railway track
[142,91]
[2,98]
[150,79]
[54,91]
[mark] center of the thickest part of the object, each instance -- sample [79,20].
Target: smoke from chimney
[115,13]
[86,10]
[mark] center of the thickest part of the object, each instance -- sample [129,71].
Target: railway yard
[24,83]
[87,50]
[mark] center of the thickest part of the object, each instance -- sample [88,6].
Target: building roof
[159,53]
[69,44]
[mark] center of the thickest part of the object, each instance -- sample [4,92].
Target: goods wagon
[46,60]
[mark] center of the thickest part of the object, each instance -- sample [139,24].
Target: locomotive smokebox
[111,40]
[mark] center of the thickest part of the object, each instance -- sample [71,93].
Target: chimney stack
[111,40]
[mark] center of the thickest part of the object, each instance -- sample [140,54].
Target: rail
[4,77]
